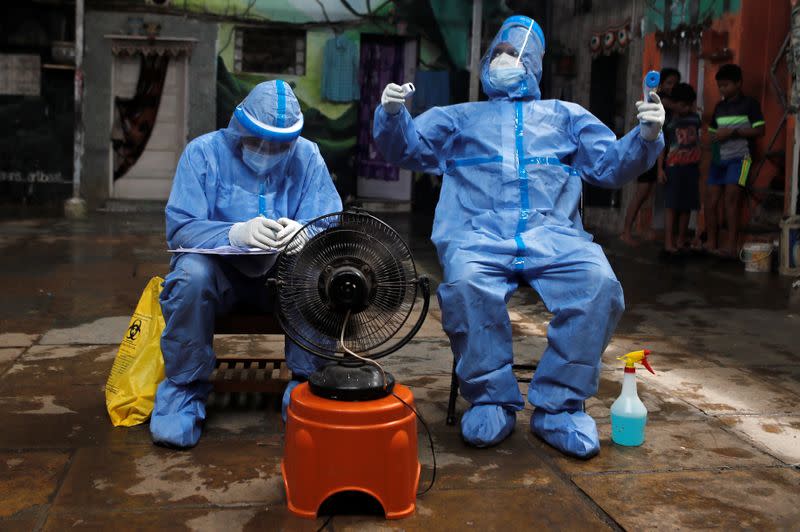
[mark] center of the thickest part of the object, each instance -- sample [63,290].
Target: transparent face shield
[266,147]
[261,155]
[513,47]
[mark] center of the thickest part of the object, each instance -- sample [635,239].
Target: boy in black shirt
[736,123]
[680,171]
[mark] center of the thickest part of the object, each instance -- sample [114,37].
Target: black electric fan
[346,286]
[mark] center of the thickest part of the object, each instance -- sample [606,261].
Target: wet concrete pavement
[722,448]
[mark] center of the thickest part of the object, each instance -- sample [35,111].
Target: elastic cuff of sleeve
[392,115]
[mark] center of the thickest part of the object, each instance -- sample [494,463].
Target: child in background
[645,183]
[736,122]
[680,171]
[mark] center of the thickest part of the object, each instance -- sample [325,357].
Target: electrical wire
[430,439]
[414,410]
[363,359]
[326,523]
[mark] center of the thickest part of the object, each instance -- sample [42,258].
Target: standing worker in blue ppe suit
[508,213]
[253,184]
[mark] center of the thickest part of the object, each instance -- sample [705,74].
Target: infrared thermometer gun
[408,89]
[650,84]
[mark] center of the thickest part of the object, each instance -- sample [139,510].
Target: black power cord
[326,523]
[430,439]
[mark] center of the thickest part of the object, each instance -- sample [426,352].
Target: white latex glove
[651,117]
[259,232]
[394,97]
[285,235]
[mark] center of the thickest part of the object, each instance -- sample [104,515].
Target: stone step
[120,206]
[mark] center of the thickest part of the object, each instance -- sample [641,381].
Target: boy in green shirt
[736,123]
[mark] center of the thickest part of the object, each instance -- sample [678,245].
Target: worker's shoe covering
[572,433]
[487,425]
[179,414]
[287,395]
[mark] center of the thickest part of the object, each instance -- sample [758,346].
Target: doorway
[607,95]
[383,60]
[151,175]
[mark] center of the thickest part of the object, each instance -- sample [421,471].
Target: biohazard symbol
[134,329]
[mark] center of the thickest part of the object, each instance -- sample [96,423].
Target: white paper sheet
[226,250]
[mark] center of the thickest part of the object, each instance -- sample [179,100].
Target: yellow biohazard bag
[139,365]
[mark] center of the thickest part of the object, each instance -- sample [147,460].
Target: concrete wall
[574,32]
[97,88]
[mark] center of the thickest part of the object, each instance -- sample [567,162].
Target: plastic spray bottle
[628,413]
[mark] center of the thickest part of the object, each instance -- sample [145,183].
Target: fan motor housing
[351,381]
[349,285]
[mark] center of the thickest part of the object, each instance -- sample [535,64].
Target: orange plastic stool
[335,446]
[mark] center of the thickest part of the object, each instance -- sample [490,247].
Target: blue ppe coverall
[508,213]
[213,188]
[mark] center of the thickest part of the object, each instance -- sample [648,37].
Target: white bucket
[790,246]
[756,257]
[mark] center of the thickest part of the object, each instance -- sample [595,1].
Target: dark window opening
[270,51]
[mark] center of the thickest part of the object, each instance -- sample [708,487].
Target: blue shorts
[730,172]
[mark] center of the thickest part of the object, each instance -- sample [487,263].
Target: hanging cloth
[382,63]
[340,70]
[136,117]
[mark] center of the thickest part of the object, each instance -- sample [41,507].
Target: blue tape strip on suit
[550,161]
[280,120]
[472,161]
[262,198]
[524,207]
[546,161]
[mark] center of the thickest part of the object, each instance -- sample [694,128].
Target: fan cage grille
[361,239]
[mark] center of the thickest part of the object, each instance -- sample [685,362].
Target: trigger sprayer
[628,413]
[649,84]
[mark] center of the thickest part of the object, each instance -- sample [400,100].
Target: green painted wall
[680,12]
[291,11]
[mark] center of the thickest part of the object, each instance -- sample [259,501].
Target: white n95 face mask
[505,71]
[504,60]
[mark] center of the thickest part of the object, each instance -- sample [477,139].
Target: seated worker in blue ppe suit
[252,184]
[508,214]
